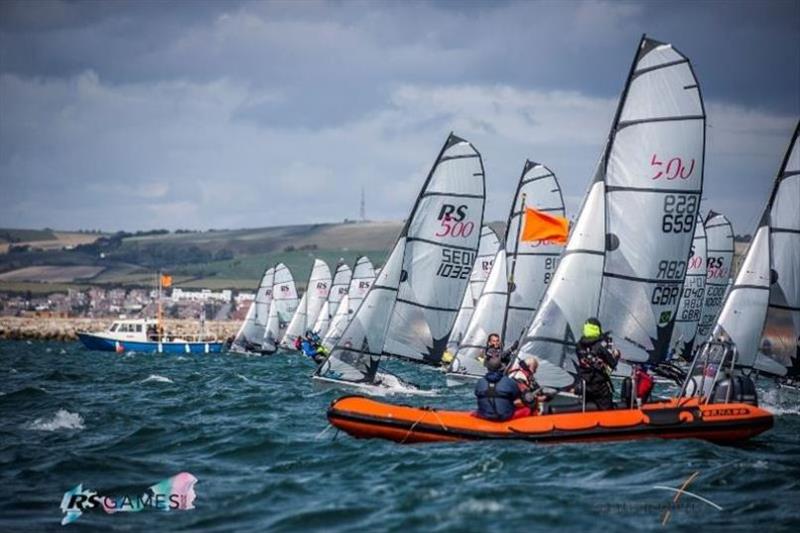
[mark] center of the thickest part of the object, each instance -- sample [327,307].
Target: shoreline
[66,329]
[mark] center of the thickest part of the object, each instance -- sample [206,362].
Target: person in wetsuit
[494,348]
[496,393]
[597,359]
[311,347]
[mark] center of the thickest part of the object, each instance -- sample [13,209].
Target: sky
[143,115]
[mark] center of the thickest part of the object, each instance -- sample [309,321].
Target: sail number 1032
[456,263]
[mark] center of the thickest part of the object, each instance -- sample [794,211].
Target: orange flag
[166,280]
[539,226]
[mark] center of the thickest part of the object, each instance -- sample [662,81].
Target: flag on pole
[166,280]
[539,226]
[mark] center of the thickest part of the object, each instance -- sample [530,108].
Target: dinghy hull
[673,419]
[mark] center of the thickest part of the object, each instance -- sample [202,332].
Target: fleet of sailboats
[638,256]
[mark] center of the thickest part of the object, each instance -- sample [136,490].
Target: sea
[253,432]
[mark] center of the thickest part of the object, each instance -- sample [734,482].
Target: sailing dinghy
[409,311]
[719,267]
[316,295]
[339,286]
[248,338]
[515,288]
[626,258]
[761,313]
[282,308]
[361,281]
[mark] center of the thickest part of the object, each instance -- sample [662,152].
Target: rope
[414,425]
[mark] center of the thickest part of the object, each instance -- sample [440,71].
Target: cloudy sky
[139,115]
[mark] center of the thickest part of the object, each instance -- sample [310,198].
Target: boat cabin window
[113,327]
[138,328]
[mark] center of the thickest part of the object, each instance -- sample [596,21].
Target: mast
[512,270]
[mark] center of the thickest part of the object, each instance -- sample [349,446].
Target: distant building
[244,297]
[203,295]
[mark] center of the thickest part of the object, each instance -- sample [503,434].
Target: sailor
[597,359]
[311,347]
[496,393]
[494,348]
[523,373]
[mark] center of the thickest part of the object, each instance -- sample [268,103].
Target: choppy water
[252,431]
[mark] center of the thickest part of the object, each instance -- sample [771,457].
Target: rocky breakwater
[66,329]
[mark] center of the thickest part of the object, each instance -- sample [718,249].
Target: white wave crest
[156,378]
[63,419]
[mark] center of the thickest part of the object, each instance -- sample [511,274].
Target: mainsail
[356,355]
[410,308]
[653,172]
[363,277]
[487,318]
[782,329]
[283,306]
[441,238]
[626,255]
[252,330]
[690,306]
[489,243]
[573,291]
[531,263]
[316,295]
[323,321]
[770,273]
[719,267]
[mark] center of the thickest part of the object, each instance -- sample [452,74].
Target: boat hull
[688,418]
[96,342]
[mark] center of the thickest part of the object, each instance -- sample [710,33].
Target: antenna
[362,212]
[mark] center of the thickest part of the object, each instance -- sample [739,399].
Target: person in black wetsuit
[597,359]
[494,348]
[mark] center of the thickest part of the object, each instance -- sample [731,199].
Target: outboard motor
[736,389]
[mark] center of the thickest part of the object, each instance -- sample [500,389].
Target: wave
[156,378]
[63,419]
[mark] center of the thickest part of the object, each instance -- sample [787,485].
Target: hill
[211,259]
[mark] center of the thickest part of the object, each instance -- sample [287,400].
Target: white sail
[487,318]
[745,309]
[339,287]
[338,323]
[487,249]
[411,306]
[531,264]
[363,277]
[690,306]
[317,289]
[362,280]
[356,355]
[653,172]
[282,308]
[782,328]
[252,330]
[573,292]
[719,267]
[297,326]
[442,237]
[323,321]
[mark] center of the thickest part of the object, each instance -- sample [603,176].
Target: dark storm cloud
[203,113]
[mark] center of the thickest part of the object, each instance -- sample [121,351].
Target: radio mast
[362,212]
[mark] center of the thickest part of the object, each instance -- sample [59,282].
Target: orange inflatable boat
[671,419]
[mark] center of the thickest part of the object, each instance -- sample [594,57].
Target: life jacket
[298,343]
[496,393]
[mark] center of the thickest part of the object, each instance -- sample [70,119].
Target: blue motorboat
[144,335]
